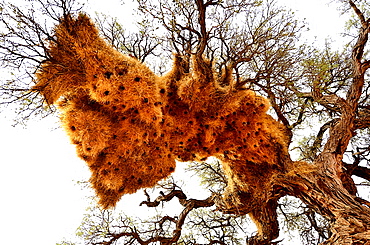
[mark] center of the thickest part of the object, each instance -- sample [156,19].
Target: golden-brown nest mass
[131,126]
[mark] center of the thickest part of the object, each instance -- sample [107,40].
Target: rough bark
[323,187]
[350,221]
[325,184]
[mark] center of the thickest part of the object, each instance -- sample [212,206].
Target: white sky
[323,17]
[41,203]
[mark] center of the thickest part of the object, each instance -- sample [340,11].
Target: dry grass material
[130,125]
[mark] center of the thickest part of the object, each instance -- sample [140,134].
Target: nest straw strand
[131,126]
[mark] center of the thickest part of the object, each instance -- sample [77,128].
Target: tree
[261,54]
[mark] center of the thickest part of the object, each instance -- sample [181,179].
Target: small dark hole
[88,148]
[108,74]
[73,128]
[137,79]
[115,117]
[145,100]
[116,169]
[121,88]
[121,72]
[171,169]
[109,163]
[106,92]
[162,91]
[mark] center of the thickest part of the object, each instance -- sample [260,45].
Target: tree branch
[359,171]
[358,12]
[188,204]
[165,198]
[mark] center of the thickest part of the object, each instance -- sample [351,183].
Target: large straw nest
[130,125]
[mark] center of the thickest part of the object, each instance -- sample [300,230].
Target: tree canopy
[132,124]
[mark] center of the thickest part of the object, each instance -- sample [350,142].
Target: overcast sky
[40,202]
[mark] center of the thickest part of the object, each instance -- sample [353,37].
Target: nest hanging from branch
[131,126]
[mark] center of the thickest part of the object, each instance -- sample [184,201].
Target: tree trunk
[323,187]
[265,218]
[323,190]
